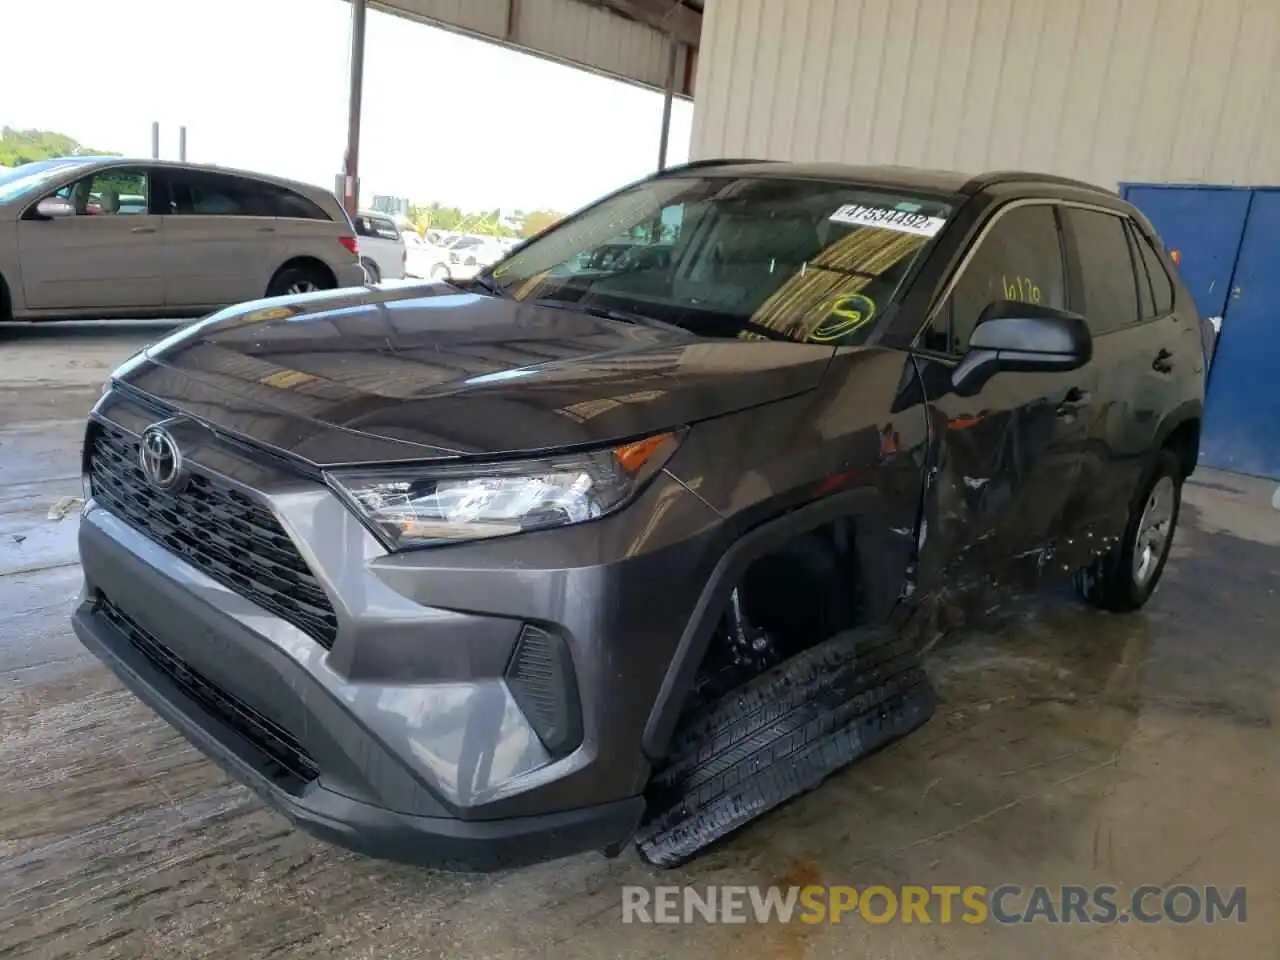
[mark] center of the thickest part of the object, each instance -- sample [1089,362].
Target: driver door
[107,255]
[1008,459]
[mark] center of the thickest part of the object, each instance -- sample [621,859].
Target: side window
[256,199]
[1019,258]
[198,193]
[1161,285]
[111,193]
[295,206]
[1107,293]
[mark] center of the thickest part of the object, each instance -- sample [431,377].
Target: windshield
[31,177]
[749,258]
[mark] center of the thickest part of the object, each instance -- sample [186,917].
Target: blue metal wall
[1229,241]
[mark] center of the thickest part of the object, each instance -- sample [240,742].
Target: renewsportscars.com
[1007,904]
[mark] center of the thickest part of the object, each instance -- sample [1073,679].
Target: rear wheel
[779,736]
[1124,578]
[299,279]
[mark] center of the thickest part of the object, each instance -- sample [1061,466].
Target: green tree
[27,146]
[539,220]
[437,216]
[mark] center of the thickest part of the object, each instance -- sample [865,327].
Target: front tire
[780,736]
[1124,578]
[371,271]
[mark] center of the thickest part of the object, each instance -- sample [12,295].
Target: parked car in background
[383,252]
[468,255]
[112,237]
[424,259]
[644,549]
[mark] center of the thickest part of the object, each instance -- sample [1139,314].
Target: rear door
[221,243]
[108,256]
[1135,332]
[1008,458]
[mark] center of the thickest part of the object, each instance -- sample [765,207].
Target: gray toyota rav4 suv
[600,548]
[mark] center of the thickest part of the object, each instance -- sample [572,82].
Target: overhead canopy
[626,39]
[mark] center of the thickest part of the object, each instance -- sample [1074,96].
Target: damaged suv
[593,549]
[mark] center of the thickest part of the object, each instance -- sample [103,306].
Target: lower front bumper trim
[440,842]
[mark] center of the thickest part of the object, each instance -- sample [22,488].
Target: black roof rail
[984,180]
[710,162]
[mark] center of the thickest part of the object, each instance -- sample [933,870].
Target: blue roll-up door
[1204,224]
[1242,413]
[1229,242]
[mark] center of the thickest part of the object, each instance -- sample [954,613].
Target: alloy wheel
[1154,530]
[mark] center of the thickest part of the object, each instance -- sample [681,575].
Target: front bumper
[205,662]
[367,828]
[401,737]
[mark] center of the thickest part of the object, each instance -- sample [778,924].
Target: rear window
[369,226]
[748,258]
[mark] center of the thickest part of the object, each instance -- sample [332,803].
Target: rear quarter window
[1156,274]
[295,206]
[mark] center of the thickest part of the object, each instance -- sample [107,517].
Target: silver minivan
[112,237]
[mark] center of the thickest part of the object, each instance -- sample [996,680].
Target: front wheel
[439,272]
[779,736]
[1124,578]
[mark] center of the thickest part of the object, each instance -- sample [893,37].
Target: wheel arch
[751,545]
[6,300]
[1180,432]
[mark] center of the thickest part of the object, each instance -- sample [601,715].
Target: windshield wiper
[489,285]
[608,313]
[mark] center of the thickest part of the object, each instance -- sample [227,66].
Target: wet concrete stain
[1069,747]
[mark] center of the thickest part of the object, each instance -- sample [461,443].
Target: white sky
[262,84]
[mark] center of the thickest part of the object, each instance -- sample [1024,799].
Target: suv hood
[414,371]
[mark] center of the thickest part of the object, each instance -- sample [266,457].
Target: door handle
[143,230]
[1161,363]
[1075,401]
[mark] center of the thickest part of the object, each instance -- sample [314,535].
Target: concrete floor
[1071,748]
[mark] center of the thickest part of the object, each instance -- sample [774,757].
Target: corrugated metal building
[1104,90]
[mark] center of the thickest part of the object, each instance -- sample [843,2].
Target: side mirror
[1011,335]
[54,208]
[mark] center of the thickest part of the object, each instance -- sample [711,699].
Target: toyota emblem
[160,459]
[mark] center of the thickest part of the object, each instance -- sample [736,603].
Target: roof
[183,165]
[949,182]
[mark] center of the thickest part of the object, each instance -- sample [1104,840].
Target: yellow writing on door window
[1020,288]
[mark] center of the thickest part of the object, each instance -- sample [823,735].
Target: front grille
[231,537]
[285,762]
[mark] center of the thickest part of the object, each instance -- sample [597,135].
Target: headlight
[454,502]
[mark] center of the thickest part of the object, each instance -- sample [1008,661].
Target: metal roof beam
[672,17]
